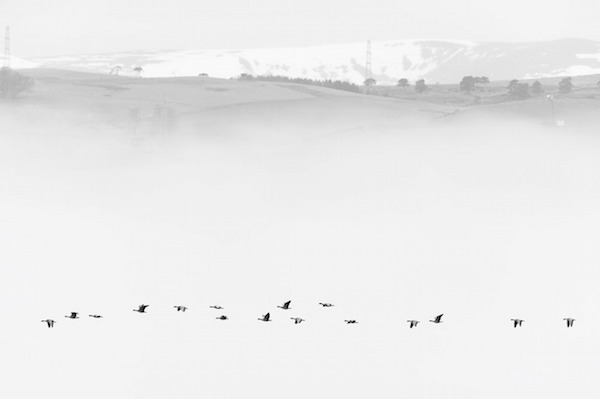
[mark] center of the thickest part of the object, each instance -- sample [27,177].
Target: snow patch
[583,56]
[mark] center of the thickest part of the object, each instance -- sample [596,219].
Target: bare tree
[115,70]
[139,70]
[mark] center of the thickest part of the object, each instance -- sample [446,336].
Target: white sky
[41,27]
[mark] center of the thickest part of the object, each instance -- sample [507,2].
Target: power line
[7,48]
[368,72]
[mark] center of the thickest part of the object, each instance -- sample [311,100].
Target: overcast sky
[41,28]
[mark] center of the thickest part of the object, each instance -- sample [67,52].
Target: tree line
[515,89]
[13,83]
[332,84]
[521,90]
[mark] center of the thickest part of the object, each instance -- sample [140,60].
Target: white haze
[480,223]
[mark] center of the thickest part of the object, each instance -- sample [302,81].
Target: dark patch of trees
[536,88]
[403,82]
[370,82]
[517,90]
[13,83]
[420,86]
[331,84]
[565,86]
[469,83]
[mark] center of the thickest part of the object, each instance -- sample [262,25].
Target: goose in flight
[180,308]
[216,307]
[438,319]
[265,317]
[297,320]
[351,321]
[222,317]
[50,322]
[286,305]
[517,322]
[141,309]
[569,321]
[95,316]
[73,315]
[413,323]
[325,305]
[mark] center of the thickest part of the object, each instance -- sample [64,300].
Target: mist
[390,218]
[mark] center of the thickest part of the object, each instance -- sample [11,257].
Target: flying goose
[351,321]
[297,320]
[265,317]
[325,305]
[180,308]
[286,305]
[216,307]
[73,315]
[50,322]
[141,309]
[413,323]
[517,322]
[569,321]
[222,317]
[95,316]
[438,319]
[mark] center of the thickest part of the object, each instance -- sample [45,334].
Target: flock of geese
[286,306]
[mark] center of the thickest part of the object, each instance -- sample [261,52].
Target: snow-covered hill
[434,61]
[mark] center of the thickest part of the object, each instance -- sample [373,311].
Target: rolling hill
[207,104]
[136,108]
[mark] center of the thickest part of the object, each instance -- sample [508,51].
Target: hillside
[116,103]
[149,108]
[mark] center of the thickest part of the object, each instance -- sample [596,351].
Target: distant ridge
[436,61]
